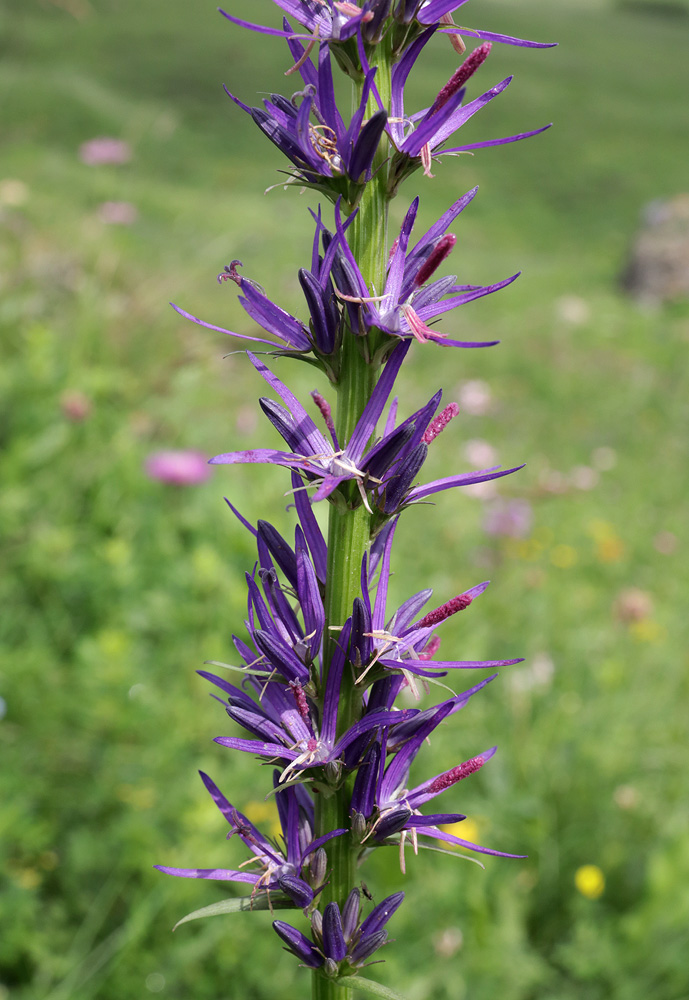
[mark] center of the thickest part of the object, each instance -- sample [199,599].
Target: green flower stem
[349,524]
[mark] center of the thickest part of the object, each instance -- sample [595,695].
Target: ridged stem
[349,524]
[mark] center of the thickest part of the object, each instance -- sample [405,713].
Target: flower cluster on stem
[323,662]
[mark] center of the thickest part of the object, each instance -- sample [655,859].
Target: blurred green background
[116,588]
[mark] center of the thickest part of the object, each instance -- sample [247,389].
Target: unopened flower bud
[392,822]
[318,866]
[358,827]
[333,771]
[366,947]
[297,890]
[317,924]
[299,944]
[333,935]
[350,913]
[332,968]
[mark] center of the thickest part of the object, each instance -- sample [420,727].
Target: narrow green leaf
[238,905]
[452,854]
[360,985]
[240,670]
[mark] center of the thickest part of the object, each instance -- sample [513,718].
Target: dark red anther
[300,698]
[461,75]
[441,250]
[430,649]
[440,423]
[324,406]
[311,745]
[451,777]
[438,615]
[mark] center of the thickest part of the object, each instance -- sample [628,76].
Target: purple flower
[309,130]
[400,644]
[384,471]
[323,334]
[339,20]
[382,798]
[408,302]
[283,871]
[421,136]
[181,468]
[332,20]
[341,942]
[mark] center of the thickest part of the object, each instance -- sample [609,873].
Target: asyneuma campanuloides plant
[324,659]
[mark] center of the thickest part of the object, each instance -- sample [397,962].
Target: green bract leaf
[238,905]
[241,670]
[452,854]
[367,986]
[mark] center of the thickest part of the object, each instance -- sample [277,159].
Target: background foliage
[116,588]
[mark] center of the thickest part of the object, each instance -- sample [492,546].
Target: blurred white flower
[13,192]
[604,458]
[584,477]
[573,310]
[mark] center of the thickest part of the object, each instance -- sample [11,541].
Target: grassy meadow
[116,588]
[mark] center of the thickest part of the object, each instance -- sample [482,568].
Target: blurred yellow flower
[262,814]
[590,881]
[140,796]
[563,556]
[609,550]
[647,631]
[117,552]
[467,829]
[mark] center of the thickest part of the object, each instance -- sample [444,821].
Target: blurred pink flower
[475,397]
[104,150]
[75,405]
[118,213]
[182,468]
[508,517]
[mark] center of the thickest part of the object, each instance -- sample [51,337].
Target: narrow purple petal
[449,482]
[221,329]
[491,36]
[451,839]
[215,874]
[318,445]
[258,27]
[257,746]
[374,407]
[378,622]
[331,698]
[312,531]
[495,142]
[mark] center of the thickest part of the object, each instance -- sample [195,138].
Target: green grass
[116,589]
